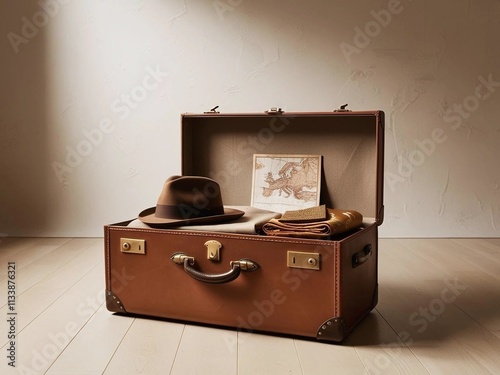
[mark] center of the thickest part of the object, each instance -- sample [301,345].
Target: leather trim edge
[107,257]
[375,298]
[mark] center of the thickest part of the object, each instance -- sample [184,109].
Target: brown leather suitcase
[304,287]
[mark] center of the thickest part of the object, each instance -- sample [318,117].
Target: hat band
[185,212]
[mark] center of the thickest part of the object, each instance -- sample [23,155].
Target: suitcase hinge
[213,110]
[275,111]
[343,108]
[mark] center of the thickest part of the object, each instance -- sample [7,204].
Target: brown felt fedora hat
[186,200]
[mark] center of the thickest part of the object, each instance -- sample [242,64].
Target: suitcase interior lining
[222,147]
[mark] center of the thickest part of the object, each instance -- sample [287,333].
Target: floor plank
[9,246]
[325,358]
[42,266]
[479,275]
[149,347]
[41,296]
[47,336]
[422,299]
[265,354]
[23,256]
[381,349]
[91,349]
[204,350]
[486,249]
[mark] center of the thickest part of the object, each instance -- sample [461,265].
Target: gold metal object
[275,111]
[297,259]
[245,264]
[133,246]
[178,258]
[213,250]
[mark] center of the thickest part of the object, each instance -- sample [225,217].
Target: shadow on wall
[23,117]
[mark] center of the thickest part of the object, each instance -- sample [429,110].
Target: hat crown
[188,197]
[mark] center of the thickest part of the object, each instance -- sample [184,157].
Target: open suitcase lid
[222,146]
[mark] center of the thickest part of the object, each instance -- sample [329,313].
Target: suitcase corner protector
[113,303]
[332,330]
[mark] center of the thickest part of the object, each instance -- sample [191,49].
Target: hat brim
[148,217]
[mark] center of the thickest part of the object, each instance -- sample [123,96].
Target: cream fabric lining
[250,223]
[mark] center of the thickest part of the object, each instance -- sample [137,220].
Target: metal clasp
[309,261]
[343,108]
[213,250]
[275,111]
[213,110]
[132,246]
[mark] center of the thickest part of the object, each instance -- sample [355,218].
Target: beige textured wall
[91,93]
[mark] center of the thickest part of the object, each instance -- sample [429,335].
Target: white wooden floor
[438,313]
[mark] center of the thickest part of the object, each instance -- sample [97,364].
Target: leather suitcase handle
[237,266]
[362,256]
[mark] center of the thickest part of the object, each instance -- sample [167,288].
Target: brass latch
[296,259]
[245,264]
[131,245]
[213,110]
[275,111]
[213,250]
[343,108]
[179,258]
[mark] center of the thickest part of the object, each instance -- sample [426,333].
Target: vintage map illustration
[286,182]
